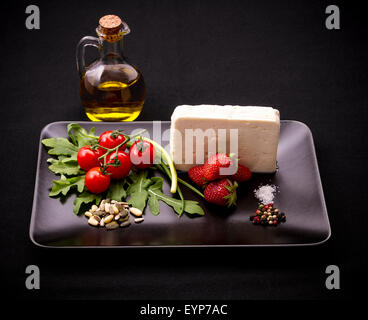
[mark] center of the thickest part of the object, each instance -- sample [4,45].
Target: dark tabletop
[276,53]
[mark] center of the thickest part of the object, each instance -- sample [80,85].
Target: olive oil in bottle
[111,89]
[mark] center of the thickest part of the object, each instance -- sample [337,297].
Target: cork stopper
[110,24]
[111,28]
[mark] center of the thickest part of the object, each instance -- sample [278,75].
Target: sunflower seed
[124,213]
[117,217]
[111,210]
[99,213]
[125,224]
[115,209]
[107,207]
[102,205]
[93,222]
[108,219]
[102,222]
[88,214]
[136,212]
[122,219]
[119,206]
[97,218]
[138,220]
[94,208]
[112,225]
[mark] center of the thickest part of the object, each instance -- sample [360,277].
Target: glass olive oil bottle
[111,89]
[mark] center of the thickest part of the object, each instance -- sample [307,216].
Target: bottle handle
[83,43]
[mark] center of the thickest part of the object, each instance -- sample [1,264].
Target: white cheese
[252,132]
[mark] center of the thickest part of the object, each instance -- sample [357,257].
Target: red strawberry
[243,174]
[214,164]
[222,192]
[196,175]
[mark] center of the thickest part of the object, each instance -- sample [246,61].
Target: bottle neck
[112,50]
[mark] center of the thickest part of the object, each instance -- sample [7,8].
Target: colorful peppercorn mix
[268,215]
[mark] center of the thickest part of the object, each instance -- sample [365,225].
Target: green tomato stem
[108,151]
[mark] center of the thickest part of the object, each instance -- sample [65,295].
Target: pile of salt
[265,194]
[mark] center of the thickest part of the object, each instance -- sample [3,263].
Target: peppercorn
[268,215]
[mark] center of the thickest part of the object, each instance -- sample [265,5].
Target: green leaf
[63,166]
[85,197]
[193,207]
[138,189]
[80,136]
[116,190]
[60,147]
[153,203]
[66,159]
[155,192]
[63,185]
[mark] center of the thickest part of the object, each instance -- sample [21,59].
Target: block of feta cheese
[251,133]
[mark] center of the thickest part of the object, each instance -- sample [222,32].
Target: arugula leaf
[116,191]
[63,185]
[138,189]
[64,166]
[156,187]
[193,207]
[155,192]
[85,197]
[66,159]
[81,137]
[60,147]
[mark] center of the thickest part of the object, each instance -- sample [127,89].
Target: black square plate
[300,196]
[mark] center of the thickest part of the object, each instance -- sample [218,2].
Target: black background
[260,52]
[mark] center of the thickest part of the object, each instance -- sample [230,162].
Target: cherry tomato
[111,139]
[95,181]
[142,154]
[88,158]
[123,165]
